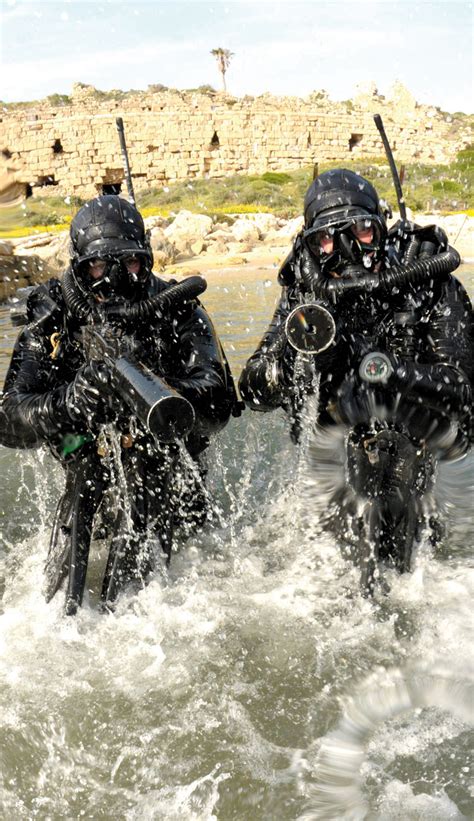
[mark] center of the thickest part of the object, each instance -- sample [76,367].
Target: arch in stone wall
[215,142]
[355,140]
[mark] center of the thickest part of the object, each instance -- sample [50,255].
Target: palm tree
[223,57]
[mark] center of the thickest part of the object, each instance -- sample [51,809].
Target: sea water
[250,680]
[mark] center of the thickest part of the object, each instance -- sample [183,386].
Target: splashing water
[383,696]
[207,694]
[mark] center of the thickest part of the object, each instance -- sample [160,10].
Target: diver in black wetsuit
[393,376]
[54,395]
[388,291]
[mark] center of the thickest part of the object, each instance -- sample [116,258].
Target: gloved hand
[259,382]
[88,397]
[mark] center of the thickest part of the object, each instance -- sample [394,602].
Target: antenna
[126,164]
[393,168]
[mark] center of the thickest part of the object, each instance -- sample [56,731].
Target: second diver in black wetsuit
[387,291]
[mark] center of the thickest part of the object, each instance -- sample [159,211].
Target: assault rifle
[160,408]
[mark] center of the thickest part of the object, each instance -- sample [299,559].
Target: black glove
[88,397]
[260,384]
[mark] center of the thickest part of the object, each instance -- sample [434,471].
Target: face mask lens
[363,230]
[97,268]
[101,276]
[134,267]
[320,242]
[131,262]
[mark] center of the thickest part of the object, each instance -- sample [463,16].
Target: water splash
[337,793]
[194,801]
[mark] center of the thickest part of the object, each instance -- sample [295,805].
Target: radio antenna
[126,164]
[393,168]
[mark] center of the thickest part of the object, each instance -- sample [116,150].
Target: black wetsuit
[425,328]
[183,349]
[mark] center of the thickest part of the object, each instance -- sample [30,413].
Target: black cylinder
[161,409]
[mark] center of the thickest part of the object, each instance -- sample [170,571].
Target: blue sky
[280,47]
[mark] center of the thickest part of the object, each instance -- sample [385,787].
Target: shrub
[276,177]
[447,186]
[58,99]
[205,89]
[465,159]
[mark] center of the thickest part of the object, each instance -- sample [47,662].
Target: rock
[264,223]
[187,227]
[19,271]
[218,248]
[245,230]
[36,241]
[60,253]
[164,251]
[291,228]
[161,260]
[237,260]
[157,238]
[156,222]
[6,248]
[224,224]
[239,247]
[55,254]
[219,234]
[275,237]
[197,247]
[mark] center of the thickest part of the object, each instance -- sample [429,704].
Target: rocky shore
[191,243]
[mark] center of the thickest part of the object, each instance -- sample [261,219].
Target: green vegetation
[205,89]
[276,177]
[59,99]
[37,215]
[427,188]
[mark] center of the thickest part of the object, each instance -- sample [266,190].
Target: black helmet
[111,229]
[339,204]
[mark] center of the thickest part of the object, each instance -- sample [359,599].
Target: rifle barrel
[162,410]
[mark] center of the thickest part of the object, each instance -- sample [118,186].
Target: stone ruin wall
[171,136]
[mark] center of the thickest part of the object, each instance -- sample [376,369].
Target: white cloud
[310,52]
[23,76]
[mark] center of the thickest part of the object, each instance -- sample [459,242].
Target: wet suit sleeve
[33,410]
[441,378]
[201,373]
[261,382]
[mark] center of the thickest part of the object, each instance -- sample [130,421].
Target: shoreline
[35,258]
